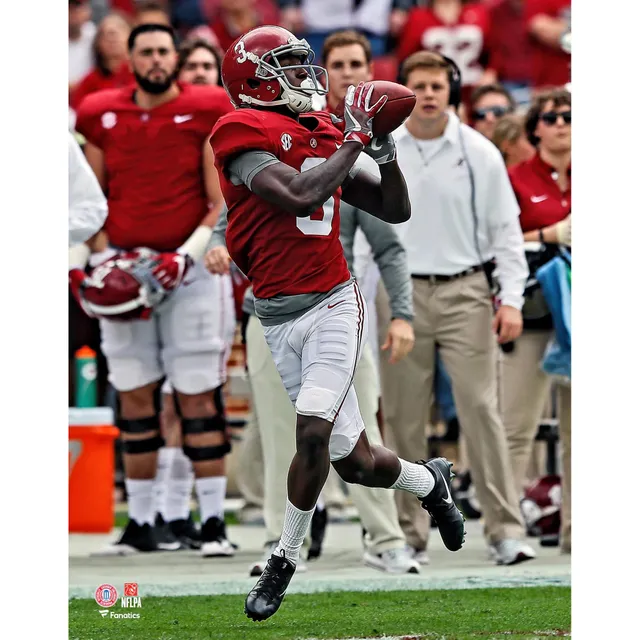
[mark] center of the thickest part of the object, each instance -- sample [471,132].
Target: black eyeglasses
[498,112]
[551,117]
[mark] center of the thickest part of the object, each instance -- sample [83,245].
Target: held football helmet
[252,73]
[123,287]
[540,508]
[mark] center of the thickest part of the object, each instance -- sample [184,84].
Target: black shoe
[318,529]
[186,532]
[440,505]
[135,538]
[214,539]
[266,597]
[165,538]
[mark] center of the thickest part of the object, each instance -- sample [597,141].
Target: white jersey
[87,204]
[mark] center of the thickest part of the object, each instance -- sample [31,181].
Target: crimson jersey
[541,201]
[155,185]
[550,65]
[463,41]
[280,253]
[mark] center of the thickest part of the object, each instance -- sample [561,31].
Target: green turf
[471,614]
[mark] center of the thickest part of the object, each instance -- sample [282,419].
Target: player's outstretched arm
[386,198]
[304,193]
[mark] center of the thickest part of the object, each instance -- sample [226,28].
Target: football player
[198,63]
[148,146]
[283,172]
[347,55]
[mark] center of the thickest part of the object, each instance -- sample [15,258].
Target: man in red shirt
[283,172]
[543,188]
[453,28]
[148,146]
[547,22]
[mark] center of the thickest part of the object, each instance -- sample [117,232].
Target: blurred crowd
[512,42]
[514,60]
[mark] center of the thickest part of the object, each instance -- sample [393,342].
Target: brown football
[397,109]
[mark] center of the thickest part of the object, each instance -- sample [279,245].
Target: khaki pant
[524,392]
[250,468]
[276,420]
[456,316]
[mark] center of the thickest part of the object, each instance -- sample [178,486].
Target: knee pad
[316,402]
[141,425]
[205,425]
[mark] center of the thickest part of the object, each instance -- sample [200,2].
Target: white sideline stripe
[400,583]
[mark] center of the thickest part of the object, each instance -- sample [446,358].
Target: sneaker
[266,597]
[440,505]
[420,556]
[135,538]
[392,561]
[165,538]
[258,567]
[186,532]
[214,539]
[510,551]
[318,529]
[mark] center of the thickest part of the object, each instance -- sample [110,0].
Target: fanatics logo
[313,142]
[109,120]
[286,141]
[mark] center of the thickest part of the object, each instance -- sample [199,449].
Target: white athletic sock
[211,493]
[414,478]
[140,500]
[296,523]
[179,487]
[161,482]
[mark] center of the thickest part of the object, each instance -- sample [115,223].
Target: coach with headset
[464,222]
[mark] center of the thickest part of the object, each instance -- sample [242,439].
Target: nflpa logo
[131,589]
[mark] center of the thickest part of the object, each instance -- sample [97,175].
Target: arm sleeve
[391,259]
[218,236]
[245,167]
[508,242]
[87,204]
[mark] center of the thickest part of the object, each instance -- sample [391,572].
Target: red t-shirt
[280,253]
[155,191]
[508,43]
[539,196]
[95,80]
[550,66]
[463,41]
[226,36]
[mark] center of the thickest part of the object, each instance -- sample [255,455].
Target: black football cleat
[266,597]
[186,532]
[165,538]
[441,506]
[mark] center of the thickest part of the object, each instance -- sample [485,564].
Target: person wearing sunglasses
[543,188]
[489,103]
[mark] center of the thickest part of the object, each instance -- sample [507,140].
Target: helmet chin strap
[297,101]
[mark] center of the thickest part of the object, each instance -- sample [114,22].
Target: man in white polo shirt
[464,214]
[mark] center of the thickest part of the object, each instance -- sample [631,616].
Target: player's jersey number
[319,223]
